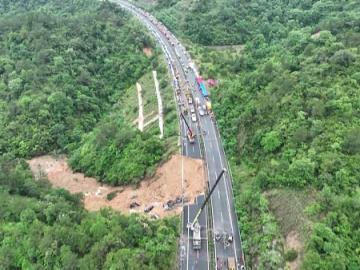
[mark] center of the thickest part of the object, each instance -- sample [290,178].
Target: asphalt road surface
[190,259]
[224,217]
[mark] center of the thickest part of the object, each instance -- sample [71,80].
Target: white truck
[197,237]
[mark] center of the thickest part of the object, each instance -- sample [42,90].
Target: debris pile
[164,191]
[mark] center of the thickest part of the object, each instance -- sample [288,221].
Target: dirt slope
[165,185]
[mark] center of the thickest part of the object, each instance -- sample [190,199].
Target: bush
[271,141]
[291,255]
[111,195]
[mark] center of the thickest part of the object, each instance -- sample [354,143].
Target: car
[148,209]
[134,204]
[230,238]
[192,109]
[190,100]
[193,117]
[201,111]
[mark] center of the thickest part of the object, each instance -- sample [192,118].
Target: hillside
[66,68]
[65,71]
[288,109]
[44,228]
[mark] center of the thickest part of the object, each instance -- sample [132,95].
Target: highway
[199,259]
[224,216]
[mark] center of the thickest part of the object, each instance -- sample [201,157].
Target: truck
[191,137]
[189,96]
[189,134]
[208,106]
[197,237]
[231,263]
[202,87]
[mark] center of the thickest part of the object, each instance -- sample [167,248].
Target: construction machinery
[195,226]
[190,134]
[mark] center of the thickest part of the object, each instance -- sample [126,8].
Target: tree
[301,172]
[351,142]
[343,58]
[271,141]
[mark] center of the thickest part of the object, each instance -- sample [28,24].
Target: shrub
[291,255]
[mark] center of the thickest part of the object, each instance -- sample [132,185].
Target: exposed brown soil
[147,51]
[293,242]
[165,185]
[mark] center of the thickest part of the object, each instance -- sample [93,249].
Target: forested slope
[64,66]
[288,106]
[44,228]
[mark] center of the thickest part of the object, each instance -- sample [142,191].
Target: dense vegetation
[43,228]
[63,66]
[288,107]
[117,153]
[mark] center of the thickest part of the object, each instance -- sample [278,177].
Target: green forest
[288,108]
[64,68]
[287,105]
[44,228]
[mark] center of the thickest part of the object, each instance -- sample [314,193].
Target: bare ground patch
[164,186]
[293,242]
[147,51]
[288,208]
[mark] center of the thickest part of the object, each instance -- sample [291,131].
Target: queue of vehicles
[203,109]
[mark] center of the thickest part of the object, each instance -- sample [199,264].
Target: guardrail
[201,142]
[231,186]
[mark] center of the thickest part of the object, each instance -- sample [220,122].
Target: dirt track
[165,185]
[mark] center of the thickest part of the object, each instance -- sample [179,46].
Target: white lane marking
[166,52]
[207,248]
[188,246]
[186,143]
[212,207]
[227,195]
[210,144]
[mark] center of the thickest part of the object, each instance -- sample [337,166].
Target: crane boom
[206,199]
[189,129]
